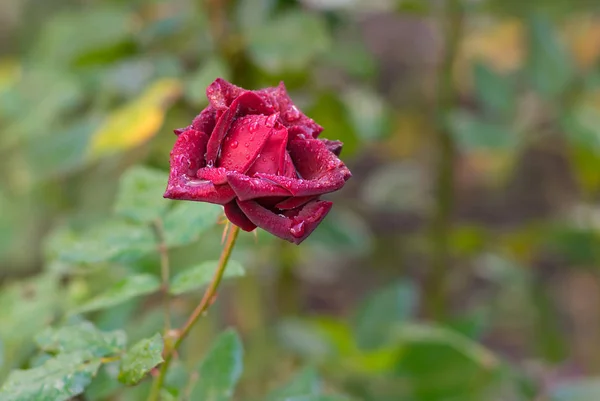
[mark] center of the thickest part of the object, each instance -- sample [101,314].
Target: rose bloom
[257,155]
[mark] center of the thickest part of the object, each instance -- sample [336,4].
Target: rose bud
[258,155]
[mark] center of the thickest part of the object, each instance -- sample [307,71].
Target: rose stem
[163,250]
[205,303]
[441,223]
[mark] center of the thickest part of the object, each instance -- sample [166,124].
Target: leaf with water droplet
[140,359]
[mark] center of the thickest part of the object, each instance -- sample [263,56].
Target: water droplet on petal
[292,114]
[234,144]
[297,230]
[210,164]
[247,144]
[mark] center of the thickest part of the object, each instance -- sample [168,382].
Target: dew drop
[297,230]
[210,164]
[234,144]
[292,114]
[247,144]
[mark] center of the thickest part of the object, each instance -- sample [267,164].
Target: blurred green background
[460,263]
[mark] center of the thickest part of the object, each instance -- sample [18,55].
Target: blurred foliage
[89,92]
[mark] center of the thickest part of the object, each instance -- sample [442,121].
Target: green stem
[441,224]
[165,271]
[205,303]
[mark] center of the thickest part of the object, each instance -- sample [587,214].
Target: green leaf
[140,359]
[58,379]
[439,364]
[353,57]
[26,308]
[198,276]
[251,14]
[382,310]
[85,31]
[124,290]
[306,383]
[188,220]
[109,242]
[140,195]
[220,369]
[288,42]
[495,91]
[549,65]
[472,133]
[61,155]
[333,114]
[368,113]
[81,337]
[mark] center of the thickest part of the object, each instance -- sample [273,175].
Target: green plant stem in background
[205,303]
[165,270]
[441,224]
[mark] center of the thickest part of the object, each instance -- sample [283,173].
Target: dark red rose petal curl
[258,155]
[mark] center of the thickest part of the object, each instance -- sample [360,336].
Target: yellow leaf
[583,36]
[135,122]
[499,44]
[10,72]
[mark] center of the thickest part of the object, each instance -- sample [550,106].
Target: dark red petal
[312,158]
[294,228]
[237,217]
[289,170]
[246,139]
[299,132]
[216,175]
[291,116]
[187,155]
[244,104]
[334,147]
[294,202]
[184,188]
[272,156]
[186,159]
[250,188]
[221,93]
[206,120]
[329,182]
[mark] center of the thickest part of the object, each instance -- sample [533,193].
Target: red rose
[255,153]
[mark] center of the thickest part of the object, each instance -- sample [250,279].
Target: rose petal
[237,217]
[184,188]
[291,116]
[295,226]
[294,202]
[289,170]
[216,175]
[334,147]
[250,188]
[272,156]
[206,120]
[187,153]
[245,104]
[312,158]
[246,139]
[186,160]
[329,182]
[221,93]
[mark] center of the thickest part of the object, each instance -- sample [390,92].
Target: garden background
[461,261]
